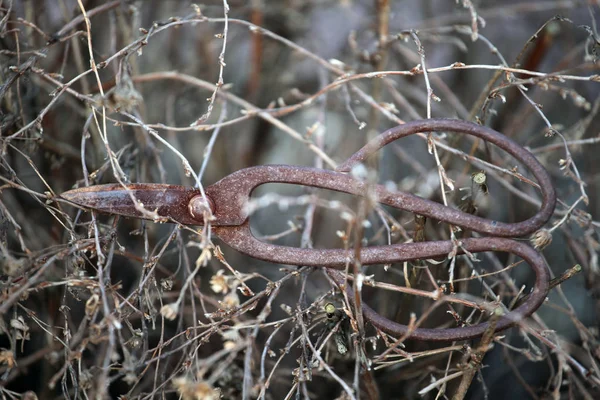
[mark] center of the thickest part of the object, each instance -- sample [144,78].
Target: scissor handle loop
[233,225]
[241,239]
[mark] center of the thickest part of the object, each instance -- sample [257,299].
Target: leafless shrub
[97,306]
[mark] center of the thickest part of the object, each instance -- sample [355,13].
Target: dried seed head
[218,282]
[11,266]
[231,301]
[190,390]
[231,335]
[7,357]
[541,238]
[91,305]
[169,311]
[228,345]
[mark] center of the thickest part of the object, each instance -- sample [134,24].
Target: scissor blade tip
[70,195]
[78,197]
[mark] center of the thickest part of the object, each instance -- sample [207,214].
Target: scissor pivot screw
[199,205]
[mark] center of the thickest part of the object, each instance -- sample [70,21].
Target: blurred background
[101,307]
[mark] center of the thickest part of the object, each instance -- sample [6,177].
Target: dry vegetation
[96,306]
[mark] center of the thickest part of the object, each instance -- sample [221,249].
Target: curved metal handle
[242,240]
[231,211]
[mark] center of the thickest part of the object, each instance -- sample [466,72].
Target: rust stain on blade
[168,201]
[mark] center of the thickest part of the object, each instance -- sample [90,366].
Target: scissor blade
[141,200]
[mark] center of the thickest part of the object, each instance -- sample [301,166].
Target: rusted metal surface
[229,199]
[168,201]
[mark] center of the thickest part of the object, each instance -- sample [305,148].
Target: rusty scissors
[227,202]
